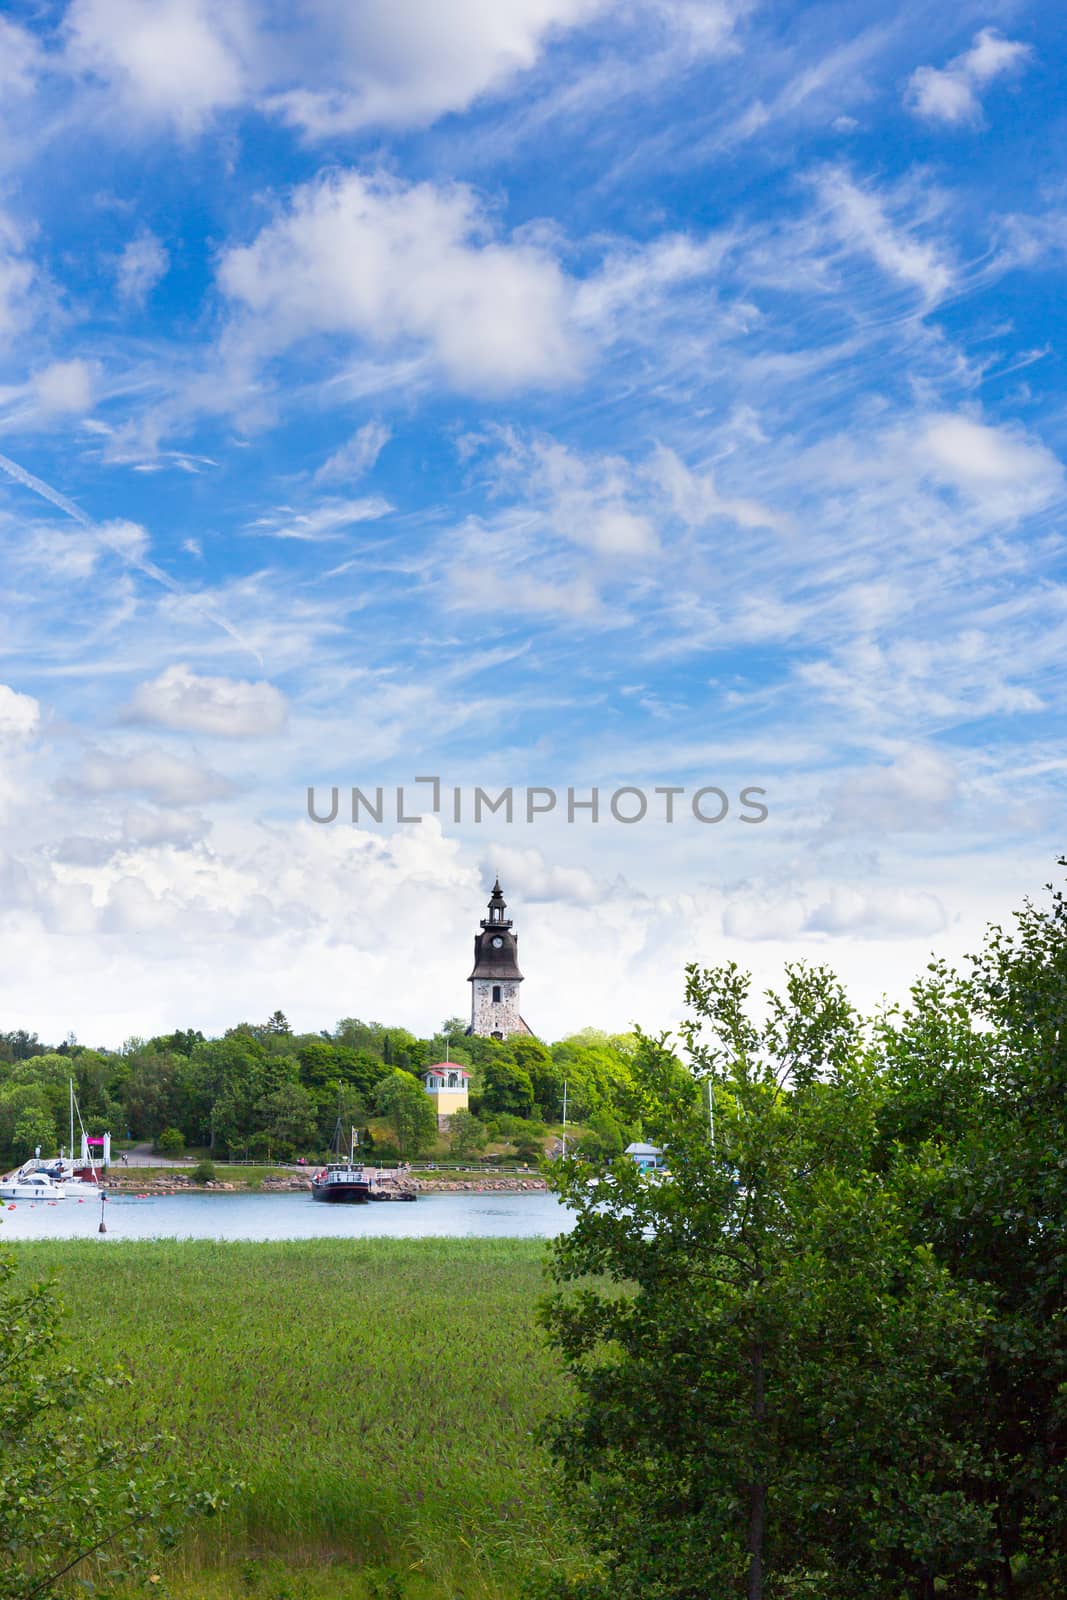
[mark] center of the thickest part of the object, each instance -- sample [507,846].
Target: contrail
[149,568]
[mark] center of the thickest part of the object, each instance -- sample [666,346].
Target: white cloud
[156,773]
[142,265]
[17,276]
[387,263]
[588,500]
[1009,473]
[696,500]
[949,94]
[706,26]
[231,708]
[916,793]
[862,222]
[404,62]
[358,455]
[529,876]
[485,589]
[883,913]
[65,386]
[127,539]
[326,521]
[172,60]
[632,282]
[21,59]
[149,826]
[19,713]
[839,912]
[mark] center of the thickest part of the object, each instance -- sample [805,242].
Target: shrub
[171,1142]
[204,1171]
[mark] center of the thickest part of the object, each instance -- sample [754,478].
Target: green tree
[171,1142]
[767,1387]
[996,1208]
[75,1501]
[466,1134]
[34,1129]
[507,1088]
[409,1111]
[289,1119]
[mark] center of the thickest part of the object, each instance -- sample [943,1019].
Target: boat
[31,1183]
[81,1181]
[342,1181]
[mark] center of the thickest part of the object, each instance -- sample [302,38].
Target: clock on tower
[496,976]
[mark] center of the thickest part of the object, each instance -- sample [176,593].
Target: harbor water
[490,1215]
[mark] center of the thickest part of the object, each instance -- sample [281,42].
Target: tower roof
[496,948]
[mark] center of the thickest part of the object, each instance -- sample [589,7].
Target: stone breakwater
[479,1185]
[178,1183]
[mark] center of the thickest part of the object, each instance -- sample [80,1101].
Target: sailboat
[81,1181]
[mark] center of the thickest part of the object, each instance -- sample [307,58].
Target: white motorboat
[72,1183]
[30,1184]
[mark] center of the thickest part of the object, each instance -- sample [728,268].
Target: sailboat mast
[70,1149]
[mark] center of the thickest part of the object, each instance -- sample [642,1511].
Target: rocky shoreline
[128,1183]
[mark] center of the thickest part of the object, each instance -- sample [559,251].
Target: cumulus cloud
[393,264]
[357,455]
[19,713]
[950,94]
[232,708]
[172,60]
[407,61]
[882,913]
[171,779]
[528,876]
[65,386]
[145,827]
[142,264]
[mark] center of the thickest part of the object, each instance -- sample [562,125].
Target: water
[287,1216]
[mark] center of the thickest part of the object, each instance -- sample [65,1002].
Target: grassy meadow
[378,1398]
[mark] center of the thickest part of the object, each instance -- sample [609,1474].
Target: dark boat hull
[352,1194]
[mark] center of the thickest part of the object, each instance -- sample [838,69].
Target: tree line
[262,1090]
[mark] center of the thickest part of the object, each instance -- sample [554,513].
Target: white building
[647,1157]
[448,1087]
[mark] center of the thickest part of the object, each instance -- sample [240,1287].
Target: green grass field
[379,1398]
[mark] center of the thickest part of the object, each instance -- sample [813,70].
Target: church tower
[496,976]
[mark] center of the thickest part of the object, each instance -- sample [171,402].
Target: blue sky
[530,392]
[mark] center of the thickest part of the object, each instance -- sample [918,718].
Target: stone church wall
[489,1016]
